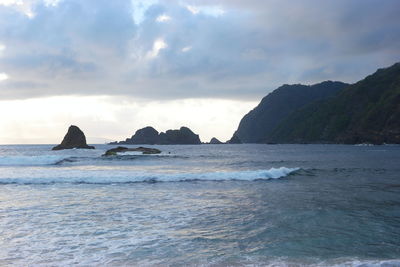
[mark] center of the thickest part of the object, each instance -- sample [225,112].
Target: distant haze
[112,67]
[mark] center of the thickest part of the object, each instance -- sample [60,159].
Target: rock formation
[330,112]
[215,141]
[235,140]
[259,123]
[183,136]
[121,149]
[147,135]
[150,136]
[365,112]
[74,138]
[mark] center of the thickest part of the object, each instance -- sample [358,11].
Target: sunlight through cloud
[3,76]
[158,45]
[11,2]
[186,49]
[214,11]
[140,8]
[163,18]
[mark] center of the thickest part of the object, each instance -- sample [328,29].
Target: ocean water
[205,205]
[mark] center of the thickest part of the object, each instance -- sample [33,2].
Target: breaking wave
[31,160]
[46,160]
[330,263]
[120,177]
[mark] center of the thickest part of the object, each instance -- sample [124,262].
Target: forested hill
[365,112]
[260,122]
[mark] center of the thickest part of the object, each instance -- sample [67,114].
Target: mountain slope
[276,106]
[365,112]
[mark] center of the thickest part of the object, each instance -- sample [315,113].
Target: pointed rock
[215,141]
[74,138]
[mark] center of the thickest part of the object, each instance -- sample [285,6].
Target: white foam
[139,153]
[124,176]
[361,263]
[250,261]
[30,160]
[130,153]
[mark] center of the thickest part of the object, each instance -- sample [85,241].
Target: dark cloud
[222,49]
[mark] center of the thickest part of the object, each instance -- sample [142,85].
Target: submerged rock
[74,138]
[215,141]
[121,149]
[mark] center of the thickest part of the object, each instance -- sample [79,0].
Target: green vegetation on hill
[365,112]
[277,106]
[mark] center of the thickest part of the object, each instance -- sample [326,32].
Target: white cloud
[3,76]
[186,49]
[163,18]
[139,9]
[158,45]
[11,2]
[51,2]
[214,11]
[85,46]
[24,7]
[193,9]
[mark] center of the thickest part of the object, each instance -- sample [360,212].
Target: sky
[112,67]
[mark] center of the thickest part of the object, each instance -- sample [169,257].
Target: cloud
[3,76]
[158,45]
[186,49]
[215,11]
[163,18]
[210,49]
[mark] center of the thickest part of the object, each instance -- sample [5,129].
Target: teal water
[207,205]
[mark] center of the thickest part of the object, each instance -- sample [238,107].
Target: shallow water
[211,205]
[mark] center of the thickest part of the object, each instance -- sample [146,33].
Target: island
[150,136]
[74,138]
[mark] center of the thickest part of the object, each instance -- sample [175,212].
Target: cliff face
[365,112]
[149,135]
[276,106]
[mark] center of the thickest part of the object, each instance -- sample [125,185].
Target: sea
[201,205]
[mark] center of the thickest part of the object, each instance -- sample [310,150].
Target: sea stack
[215,141]
[147,135]
[183,136]
[74,138]
[150,136]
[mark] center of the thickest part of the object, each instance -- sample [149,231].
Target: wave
[329,263]
[31,160]
[45,160]
[359,263]
[123,177]
[133,156]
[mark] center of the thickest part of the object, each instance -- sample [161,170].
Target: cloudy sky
[112,67]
